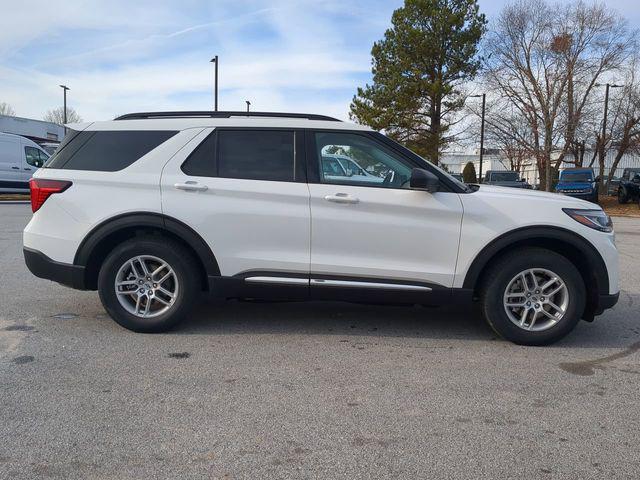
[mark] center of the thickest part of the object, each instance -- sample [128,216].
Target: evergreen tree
[418,68]
[469,173]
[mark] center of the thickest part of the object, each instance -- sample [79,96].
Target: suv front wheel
[533,296]
[148,284]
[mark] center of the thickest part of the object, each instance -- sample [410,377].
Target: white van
[19,159]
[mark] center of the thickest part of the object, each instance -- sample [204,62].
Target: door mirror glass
[423,180]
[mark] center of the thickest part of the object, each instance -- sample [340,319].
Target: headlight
[595,219]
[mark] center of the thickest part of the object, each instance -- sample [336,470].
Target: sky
[121,56]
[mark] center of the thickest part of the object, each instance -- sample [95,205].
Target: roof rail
[208,114]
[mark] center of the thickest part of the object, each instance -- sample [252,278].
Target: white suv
[153,209]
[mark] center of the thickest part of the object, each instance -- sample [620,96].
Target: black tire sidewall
[509,267]
[177,258]
[622,196]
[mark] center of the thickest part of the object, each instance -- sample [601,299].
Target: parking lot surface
[309,390]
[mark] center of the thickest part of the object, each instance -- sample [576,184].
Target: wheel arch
[103,238]
[562,241]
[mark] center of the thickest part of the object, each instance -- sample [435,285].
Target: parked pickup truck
[505,178]
[629,187]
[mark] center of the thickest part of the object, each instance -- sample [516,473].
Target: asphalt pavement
[309,390]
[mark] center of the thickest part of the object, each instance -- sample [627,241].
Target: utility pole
[248,105]
[64,89]
[215,88]
[484,104]
[604,122]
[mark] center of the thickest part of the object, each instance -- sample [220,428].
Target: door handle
[28,169]
[342,198]
[15,168]
[191,186]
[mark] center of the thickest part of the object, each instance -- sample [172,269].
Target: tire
[179,277]
[623,197]
[501,279]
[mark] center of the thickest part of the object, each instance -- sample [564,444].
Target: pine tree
[418,68]
[469,173]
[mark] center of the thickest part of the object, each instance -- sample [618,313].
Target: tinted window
[256,155]
[201,162]
[504,177]
[106,151]
[576,177]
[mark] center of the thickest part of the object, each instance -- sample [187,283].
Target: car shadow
[616,328]
[337,318]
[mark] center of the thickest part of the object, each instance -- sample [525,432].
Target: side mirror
[636,178]
[424,180]
[597,180]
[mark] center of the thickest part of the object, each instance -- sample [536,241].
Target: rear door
[10,164]
[244,191]
[377,232]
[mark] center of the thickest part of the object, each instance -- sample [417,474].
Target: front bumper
[607,301]
[42,266]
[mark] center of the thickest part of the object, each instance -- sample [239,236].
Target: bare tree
[6,109]
[623,134]
[57,116]
[544,61]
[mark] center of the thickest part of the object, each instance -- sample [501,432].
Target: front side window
[256,155]
[352,159]
[35,157]
[106,151]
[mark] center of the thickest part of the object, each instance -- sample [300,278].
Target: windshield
[504,177]
[576,177]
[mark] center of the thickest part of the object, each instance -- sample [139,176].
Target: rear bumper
[42,266]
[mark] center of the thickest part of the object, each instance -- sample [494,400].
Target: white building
[39,131]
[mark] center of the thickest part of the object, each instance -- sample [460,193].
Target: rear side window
[201,162]
[256,155]
[108,151]
[245,154]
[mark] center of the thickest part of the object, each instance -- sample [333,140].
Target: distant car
[629,187]
[19,159]
[614,183]
[579,183]
[457,176]
[505,179]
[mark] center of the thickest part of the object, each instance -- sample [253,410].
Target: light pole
[248,105]
[604,121]
[215,88]
[484,103]
[64,114]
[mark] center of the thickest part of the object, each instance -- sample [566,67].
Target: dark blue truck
[578,182]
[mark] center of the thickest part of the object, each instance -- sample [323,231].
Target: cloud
[122,56]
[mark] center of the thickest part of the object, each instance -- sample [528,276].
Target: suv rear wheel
[533,296]
[148,285]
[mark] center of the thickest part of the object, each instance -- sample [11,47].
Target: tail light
[41,189]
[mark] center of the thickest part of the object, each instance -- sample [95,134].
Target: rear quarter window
[106,151]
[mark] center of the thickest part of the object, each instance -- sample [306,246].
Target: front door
[368,227]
